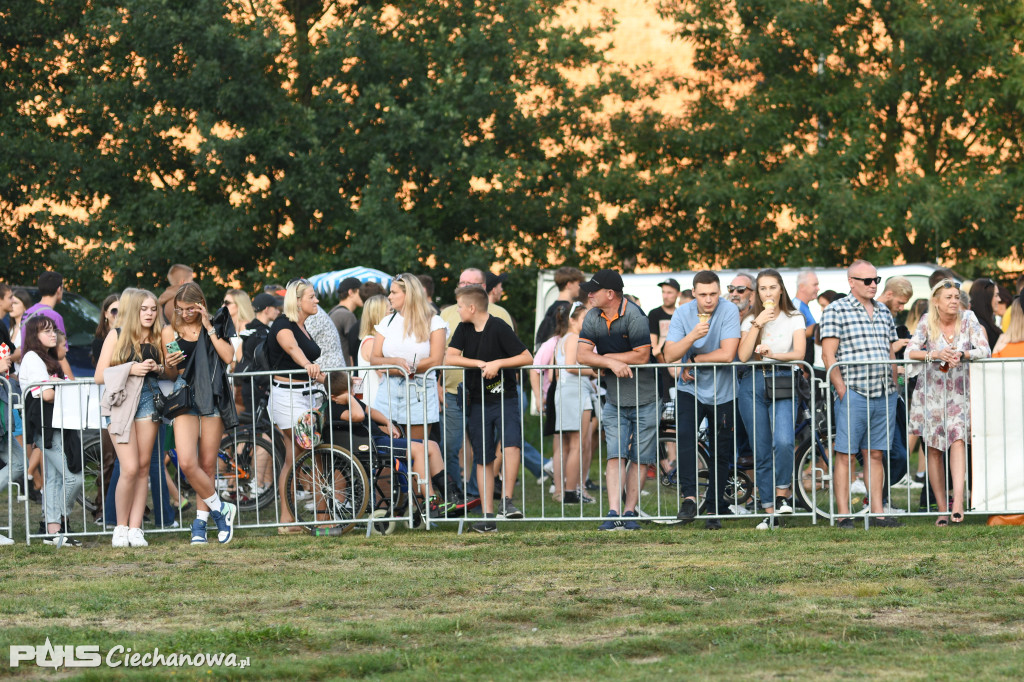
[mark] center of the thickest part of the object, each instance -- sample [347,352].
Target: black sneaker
[885,522]
[783,505]
[687,511]
[508,510]
[571,497]
[590,485]
[497,487]
[845,524]
[62,541]
[713,524]
[486,526]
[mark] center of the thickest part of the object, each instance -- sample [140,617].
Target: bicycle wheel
[328,487]
[248,465]
[814,480]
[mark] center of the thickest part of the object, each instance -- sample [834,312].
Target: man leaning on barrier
[616,336]
[858,328]
[706,329]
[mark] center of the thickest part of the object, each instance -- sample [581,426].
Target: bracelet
[755,325]
[213,334]
[928,356]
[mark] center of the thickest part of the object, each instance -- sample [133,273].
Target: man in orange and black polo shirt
[616,337]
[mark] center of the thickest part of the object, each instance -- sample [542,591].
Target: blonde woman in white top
[766,396]
[413,338]
[375,309]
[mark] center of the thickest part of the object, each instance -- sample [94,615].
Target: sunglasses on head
[739,290]
[946,284]
[574,306]
[298,280]
[868,280]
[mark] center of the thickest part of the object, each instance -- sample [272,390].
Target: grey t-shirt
[626,331]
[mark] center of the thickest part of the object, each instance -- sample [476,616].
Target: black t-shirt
[497,341]
[655,317]
[148,350]
[279,360]
[902,333]
[546,329]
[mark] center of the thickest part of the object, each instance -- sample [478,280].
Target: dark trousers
[721,439]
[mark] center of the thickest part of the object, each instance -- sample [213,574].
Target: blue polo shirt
[710,387]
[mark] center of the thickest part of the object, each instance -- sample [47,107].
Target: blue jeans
[721,439]
[454,436]
[163,510]
[531,457]
[770,427]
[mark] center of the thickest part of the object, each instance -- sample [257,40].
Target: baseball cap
[491,280]
[670,282]
[264,301]
[603,279]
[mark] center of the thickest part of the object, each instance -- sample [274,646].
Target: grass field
[537,602]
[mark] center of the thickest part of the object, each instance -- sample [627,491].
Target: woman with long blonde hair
[939,412]
[293,355]
[241,311]
[413,339]
[136,341]
[375,309]
[198,358]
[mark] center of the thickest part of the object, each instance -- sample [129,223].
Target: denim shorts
[864,423]
[146,411]
[631,432]
[488,424]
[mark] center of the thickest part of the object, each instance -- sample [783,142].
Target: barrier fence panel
[732,441]
[13,458]
[964,423]
[300,459]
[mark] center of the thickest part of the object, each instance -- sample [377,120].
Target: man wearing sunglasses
[741,292]
[858,328]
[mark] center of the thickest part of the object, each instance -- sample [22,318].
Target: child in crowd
[491,352]
[348,414]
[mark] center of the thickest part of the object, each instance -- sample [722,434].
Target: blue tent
[326,283]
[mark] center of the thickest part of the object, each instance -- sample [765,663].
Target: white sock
[203,515]
[213,502]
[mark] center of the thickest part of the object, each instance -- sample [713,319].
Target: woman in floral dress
[944,341]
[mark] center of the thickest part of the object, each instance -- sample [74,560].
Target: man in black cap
[344,317]
[616,337]
[267,307]
[494,286]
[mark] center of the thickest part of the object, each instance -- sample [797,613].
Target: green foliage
[405,136]
[879,129]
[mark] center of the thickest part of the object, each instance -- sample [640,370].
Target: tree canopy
[822,130]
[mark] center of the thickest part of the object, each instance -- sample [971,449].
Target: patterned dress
[940,412]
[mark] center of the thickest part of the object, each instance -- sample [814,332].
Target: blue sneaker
[631,524]
[612,523]
[225,520]
[198,532]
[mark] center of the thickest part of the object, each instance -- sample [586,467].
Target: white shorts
[287,405]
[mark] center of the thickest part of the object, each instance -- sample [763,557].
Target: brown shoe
[291,530]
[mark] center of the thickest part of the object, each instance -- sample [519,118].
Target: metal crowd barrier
[8,451]
[348,480]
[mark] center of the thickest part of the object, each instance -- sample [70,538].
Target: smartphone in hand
[173,347]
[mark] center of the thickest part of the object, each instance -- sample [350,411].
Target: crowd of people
[727,367]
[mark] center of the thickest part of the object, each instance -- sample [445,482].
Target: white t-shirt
[398,345]
[33,370]
[778,334]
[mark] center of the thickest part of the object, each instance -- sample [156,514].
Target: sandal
[291,530]
[942,521]
[958,517]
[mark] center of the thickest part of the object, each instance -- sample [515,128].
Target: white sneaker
[303,495]
[120,538]
[858,488]
[551,489]
[908,483]
[767,523]
[549,468]
[136,538]
[739,510]
[889,509]
[4,540]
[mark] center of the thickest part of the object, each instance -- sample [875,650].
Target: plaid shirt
[862,338]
